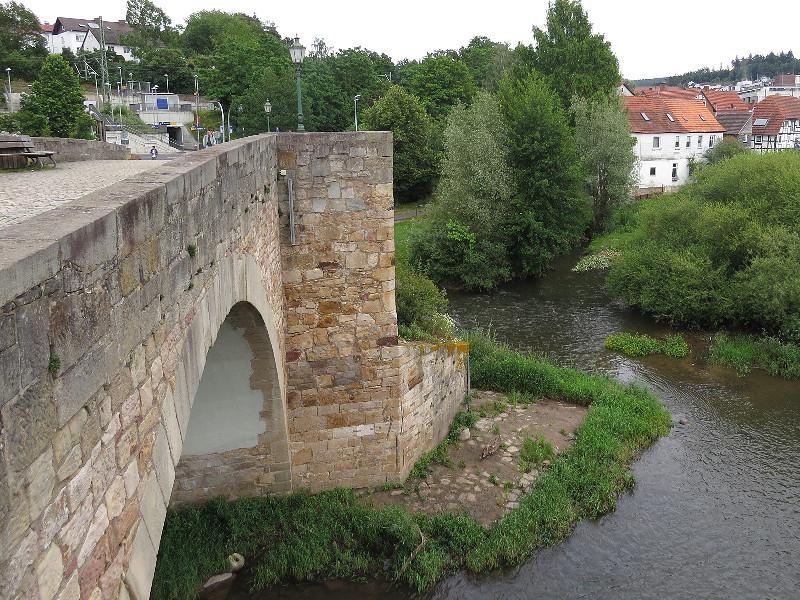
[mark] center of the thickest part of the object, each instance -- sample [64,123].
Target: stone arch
[238,281]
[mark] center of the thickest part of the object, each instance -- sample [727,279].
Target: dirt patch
[486,488]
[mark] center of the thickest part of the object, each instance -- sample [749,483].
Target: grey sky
[650,38]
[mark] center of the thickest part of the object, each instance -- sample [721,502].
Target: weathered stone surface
[49,573]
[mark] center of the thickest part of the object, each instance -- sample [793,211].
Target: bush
[643,345]
[744,352]
[421,306]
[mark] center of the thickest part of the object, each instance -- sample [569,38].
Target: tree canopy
[21,47]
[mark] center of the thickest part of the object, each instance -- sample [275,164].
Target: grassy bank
[746,352]
[329,535]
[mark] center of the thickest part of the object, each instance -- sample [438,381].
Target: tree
[151,25]
[440,82]
[414,162]
[57,97]
[728,147]
[550,211]
[21,46]
[465,243]
[605,153]
[575,61]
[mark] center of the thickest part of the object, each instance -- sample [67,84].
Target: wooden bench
[17,150]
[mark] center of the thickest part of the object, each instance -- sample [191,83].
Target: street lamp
[355,108]
[8,72]
[221,110]
[197,109]
[298,52]
[268,110]
[167,76]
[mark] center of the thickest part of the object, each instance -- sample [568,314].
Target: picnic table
[17,150]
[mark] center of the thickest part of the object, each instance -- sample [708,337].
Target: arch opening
[236,441]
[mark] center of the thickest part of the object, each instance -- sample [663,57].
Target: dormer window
[644,116]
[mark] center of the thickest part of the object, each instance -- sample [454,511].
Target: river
[715,512]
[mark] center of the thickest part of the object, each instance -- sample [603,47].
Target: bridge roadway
[24,194]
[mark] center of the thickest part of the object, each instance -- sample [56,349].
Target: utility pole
[104,64]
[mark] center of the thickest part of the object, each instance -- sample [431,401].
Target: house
[669,133]
[666,91]
[776,124]
[84,34]
[752,92]
[731,112]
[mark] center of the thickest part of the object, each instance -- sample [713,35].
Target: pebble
[464,435]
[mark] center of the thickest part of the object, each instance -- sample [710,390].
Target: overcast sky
[651,38]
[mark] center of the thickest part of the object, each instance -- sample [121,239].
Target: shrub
[421,306]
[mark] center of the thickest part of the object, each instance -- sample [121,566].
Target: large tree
[575,61]
[440,82]
[56,101]
[414,162]
[605,153]
[152,27]
[465,242]
[21,47]
[551,211]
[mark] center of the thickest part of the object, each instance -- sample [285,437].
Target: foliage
[152,27]
[464,242]
[421,306]
[331,535]
[440,455]
[21,47]
[599,260]
[743,352]
[550,213]
[574,60]
[55,104]
[487,61]
[729,146]
[534,451]
[414,162]
[747,68]
[643,345]
[723,251]
[605,153]
[441,81]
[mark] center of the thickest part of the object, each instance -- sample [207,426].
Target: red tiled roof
[688,116]
[667,91]
[775,109]
[47,28]
[725,101]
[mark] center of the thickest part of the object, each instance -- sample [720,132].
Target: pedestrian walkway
[25,194]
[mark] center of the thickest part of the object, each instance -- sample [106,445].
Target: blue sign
[161,103]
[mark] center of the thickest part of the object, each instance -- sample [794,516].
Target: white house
[668,133]
[752,92]
[776,124]
[84,34]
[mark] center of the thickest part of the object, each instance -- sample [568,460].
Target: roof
[46,28]
[725,101]
[770,114]
[670,115]
[111,32]
[666,91]
[736,123]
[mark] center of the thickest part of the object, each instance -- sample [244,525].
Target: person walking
[153,153]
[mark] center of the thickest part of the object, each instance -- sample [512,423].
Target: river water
[715,512]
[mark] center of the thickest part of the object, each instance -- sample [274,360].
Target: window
[757,139]
[677,142]
[674,171]
[702,118]
[656,142]
[760,122]
[652,171]
[711,141]
[699,141]
[688,141]
[670,117]
[644,116]
[78,38]
[126,50]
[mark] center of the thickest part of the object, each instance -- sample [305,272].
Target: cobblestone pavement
[24,194]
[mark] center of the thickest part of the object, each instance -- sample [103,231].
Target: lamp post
[8,72]
[222,111]
[355,108]
[130,84]
[268,110]
[298,53]
[197,109]
[167,76]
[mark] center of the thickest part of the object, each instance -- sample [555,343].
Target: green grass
[644,345]
[441,455]
[534,451]
[329,535]
[745,352]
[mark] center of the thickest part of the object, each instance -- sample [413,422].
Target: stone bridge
[222,324]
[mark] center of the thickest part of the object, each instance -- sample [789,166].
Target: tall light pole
[221,110]
[167,76]
[355,108]
[197,109]
[298,52]
[8,72]
[268,110]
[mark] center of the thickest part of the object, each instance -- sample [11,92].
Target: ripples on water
[716,509]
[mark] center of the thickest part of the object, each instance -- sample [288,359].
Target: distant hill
[752,67]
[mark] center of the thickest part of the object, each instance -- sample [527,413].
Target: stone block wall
[108,306]
[71,150]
